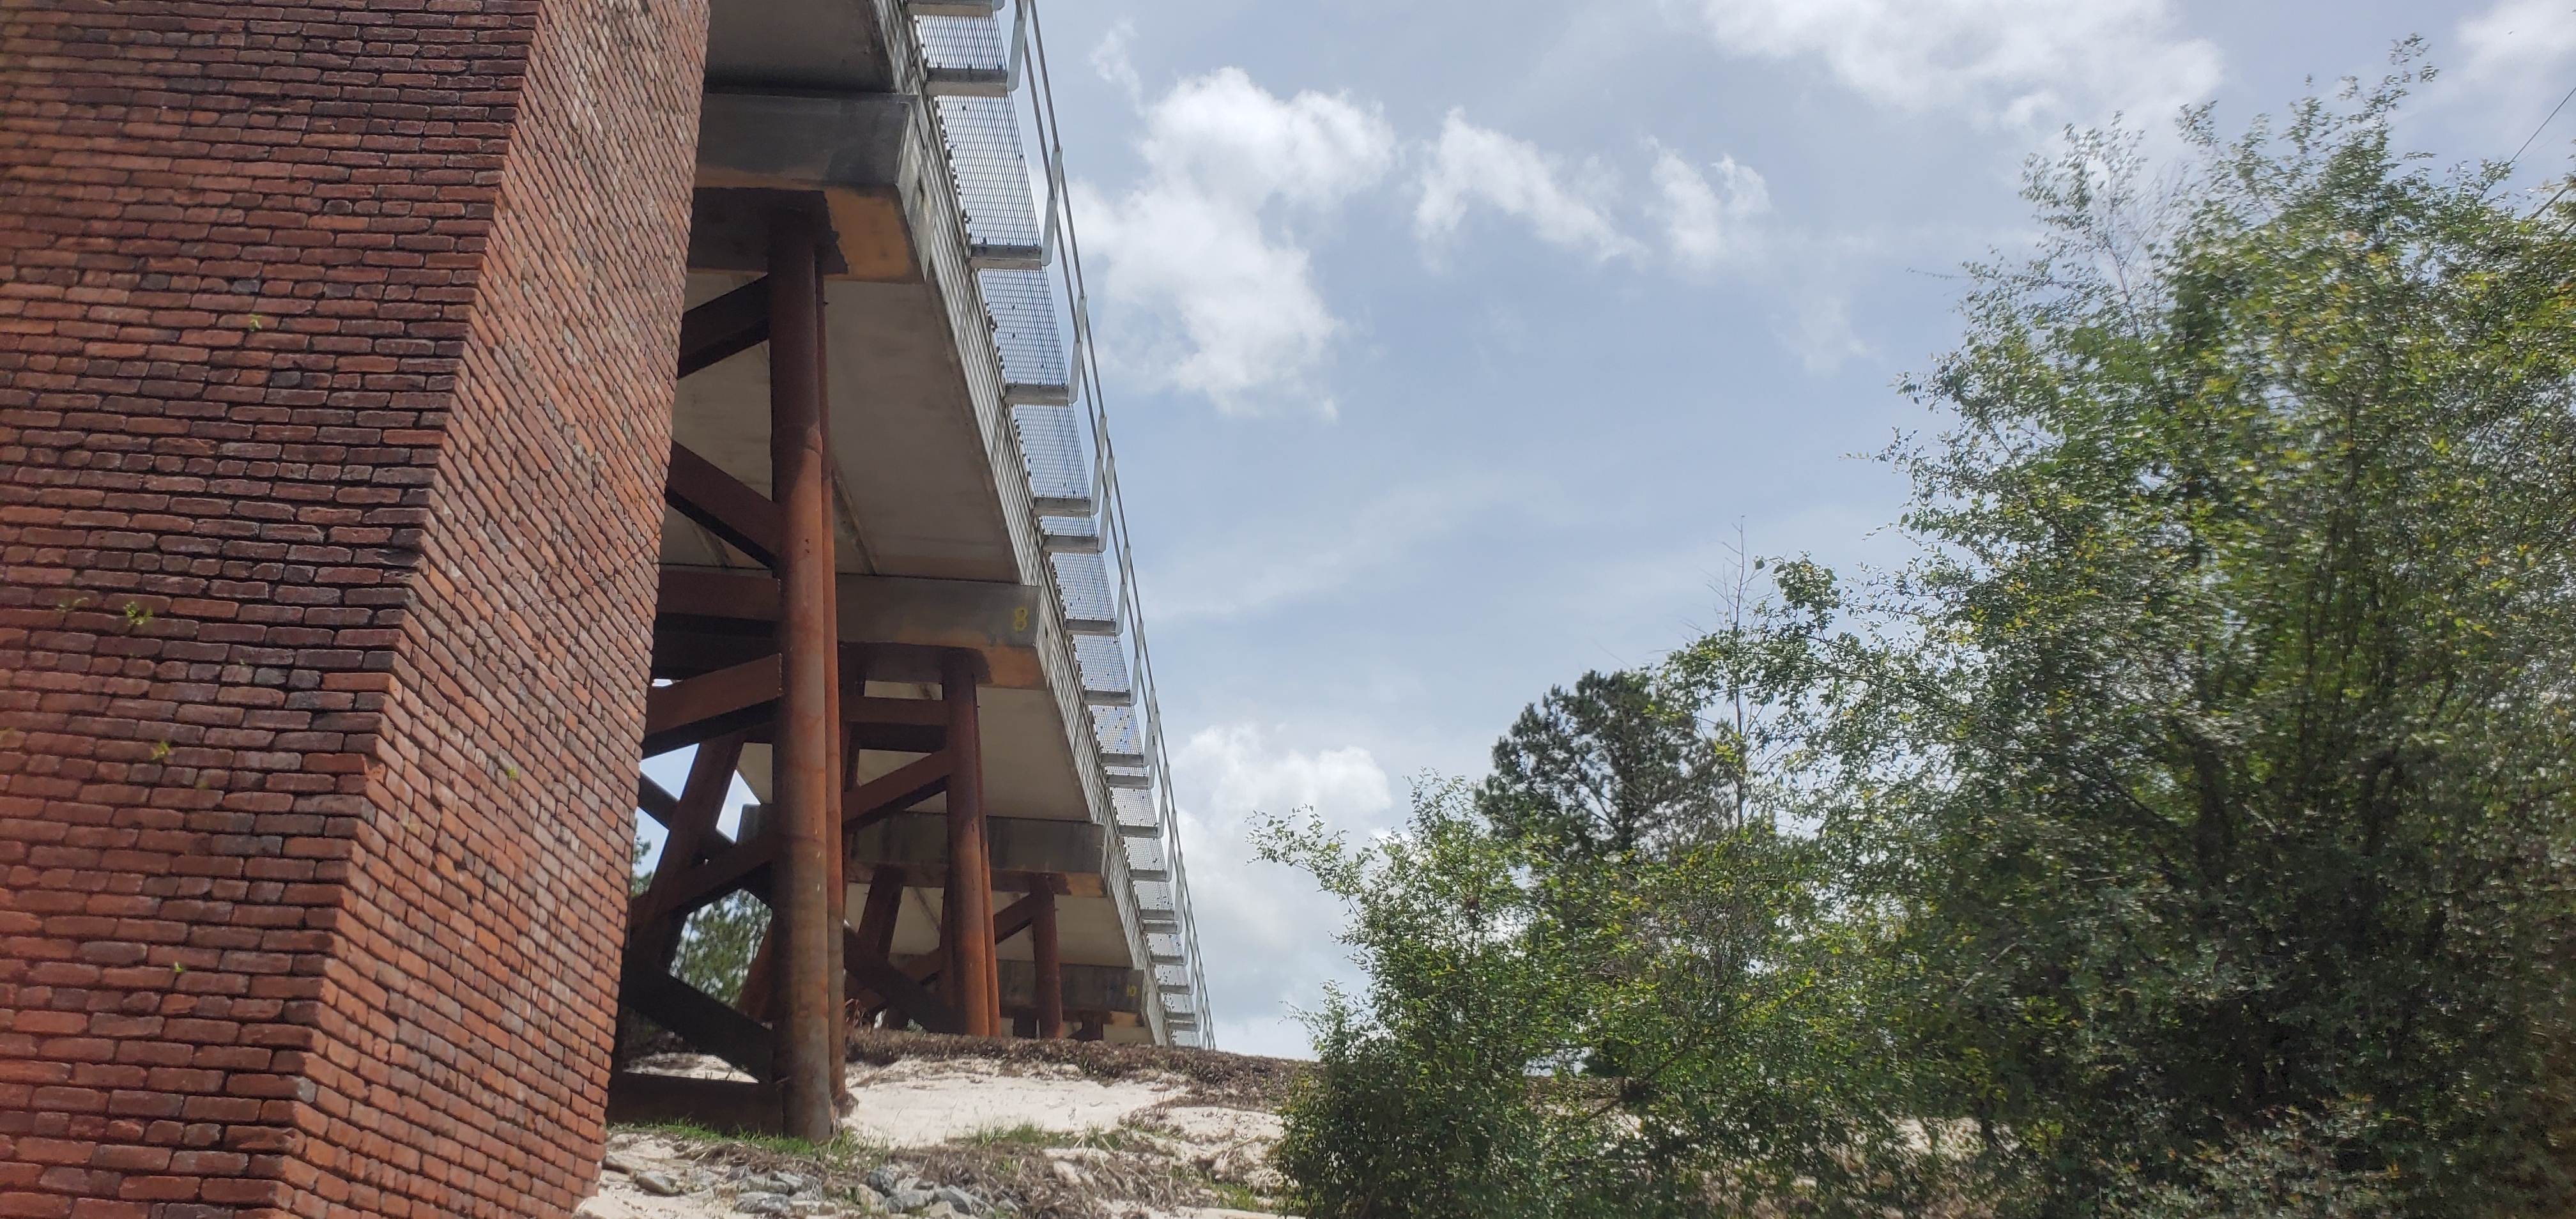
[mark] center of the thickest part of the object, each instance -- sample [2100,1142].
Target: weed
[1025,1134]
[1233,1197]
[1111,1138]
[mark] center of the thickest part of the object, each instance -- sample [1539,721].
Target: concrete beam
[793,46]
[997,620]
[1019,844]
[847,149]
[1099,988]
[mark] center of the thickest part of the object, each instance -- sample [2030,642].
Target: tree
[717,942]
[1613,767]
[1547,1036]
[2189,831]
[2214,759]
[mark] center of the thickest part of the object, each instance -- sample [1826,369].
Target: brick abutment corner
[335,350]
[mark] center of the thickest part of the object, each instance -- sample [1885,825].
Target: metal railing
[987,90]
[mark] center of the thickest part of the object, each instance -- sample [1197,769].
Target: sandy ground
[926,1112]
[918,1103]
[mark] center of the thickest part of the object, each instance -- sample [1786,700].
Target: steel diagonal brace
[717,878]
[686,712]
[730,324]
[701,491]
[702,1020]
[894,987]
[896,790]
[1007,922]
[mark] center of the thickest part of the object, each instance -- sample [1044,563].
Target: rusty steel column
[808,1030]
[966,923]
[1050,968]
[836,889]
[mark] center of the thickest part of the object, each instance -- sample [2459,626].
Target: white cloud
[1109,59]
[1197,253]
[1240,774]
[2020,62]
[1821,335]
[1472,165]
[1703,226]
[2511,48]
[2518,33]
[1264,931]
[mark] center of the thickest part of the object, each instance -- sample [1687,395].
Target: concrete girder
[999,621]
[1076,850]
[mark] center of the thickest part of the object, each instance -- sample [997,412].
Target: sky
[1451,347]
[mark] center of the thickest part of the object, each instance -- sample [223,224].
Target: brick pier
[335,394]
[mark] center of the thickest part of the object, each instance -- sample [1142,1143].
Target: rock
[905,1200]
[938,1210]
[759,1202]
[658,1183]
[618,1161]
[963,1200]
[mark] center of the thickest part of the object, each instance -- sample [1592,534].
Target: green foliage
[717,944]
[1549,1036]
[2187,833]
[1423,1104]
[2214,758]
[1610,768]
[2289,1165]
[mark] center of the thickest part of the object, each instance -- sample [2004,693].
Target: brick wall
[335,343]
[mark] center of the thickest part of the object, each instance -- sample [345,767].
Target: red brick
[282,296]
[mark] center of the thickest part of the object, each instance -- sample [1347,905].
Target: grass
[1234,1197]
[1025,1134]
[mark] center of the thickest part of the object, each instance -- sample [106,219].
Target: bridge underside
[896,773]
[849,515]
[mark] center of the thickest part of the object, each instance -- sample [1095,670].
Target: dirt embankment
[944,1126]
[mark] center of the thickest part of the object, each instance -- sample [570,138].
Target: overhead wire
[2516,158]
[2544,126]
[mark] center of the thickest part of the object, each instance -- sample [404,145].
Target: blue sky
[1449,344]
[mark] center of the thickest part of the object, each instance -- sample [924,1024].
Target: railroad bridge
[415,415]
